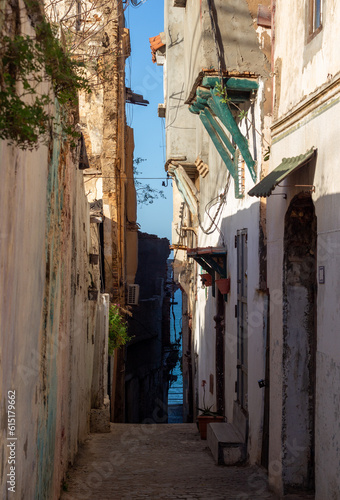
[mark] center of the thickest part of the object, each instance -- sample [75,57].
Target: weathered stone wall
[303,64]
[46,320]
[131,235]
[110,177]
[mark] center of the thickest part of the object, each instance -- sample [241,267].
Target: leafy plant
[206,410]
[222,92]
[26,111]
[146,194]
[243,114]
[118,331]
[267,154]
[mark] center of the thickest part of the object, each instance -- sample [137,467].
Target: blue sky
[146,78]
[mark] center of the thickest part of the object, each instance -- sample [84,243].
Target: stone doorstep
[226,444]
[100,418]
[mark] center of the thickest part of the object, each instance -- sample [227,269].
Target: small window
[315,16]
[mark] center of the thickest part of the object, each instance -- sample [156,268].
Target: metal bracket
[279,194]
[312,188]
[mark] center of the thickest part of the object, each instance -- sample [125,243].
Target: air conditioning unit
[133,295]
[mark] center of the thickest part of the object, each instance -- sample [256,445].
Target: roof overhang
[215,99]
[287,166]
[208,77]
[211,259]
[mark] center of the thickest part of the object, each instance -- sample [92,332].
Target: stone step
[226,444]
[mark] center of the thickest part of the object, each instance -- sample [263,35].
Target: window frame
[315,18]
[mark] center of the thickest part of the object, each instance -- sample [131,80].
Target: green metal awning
[286,167]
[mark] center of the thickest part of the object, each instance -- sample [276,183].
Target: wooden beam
[241,84]
[209,270]
[226,116]
[178,247]
[218,143]
[210,260]
[231,83]
[181,178]
[201,100]
[203,92]
[196,108]
[219,130]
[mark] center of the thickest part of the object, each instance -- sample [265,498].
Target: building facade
[60,253]
[261,211]
[109,180]
[302,241]
[217,95]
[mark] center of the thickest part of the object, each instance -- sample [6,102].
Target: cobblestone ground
[157,462]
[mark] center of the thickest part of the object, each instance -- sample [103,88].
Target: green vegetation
[146,194]
[206,410]
[222,92]
[118,332]
[26,104]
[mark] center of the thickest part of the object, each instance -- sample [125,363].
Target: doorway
[299,344]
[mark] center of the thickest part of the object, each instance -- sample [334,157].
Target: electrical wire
[177,108]
[222,202]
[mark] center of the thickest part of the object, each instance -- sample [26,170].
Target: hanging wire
[218,44]
[221,200]
[177,108]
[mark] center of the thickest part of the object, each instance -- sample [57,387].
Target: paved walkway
[164,461]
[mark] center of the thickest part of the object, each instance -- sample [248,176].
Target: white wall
[318,129]
[235,215]
[179,141]
[305,66]
[242,54]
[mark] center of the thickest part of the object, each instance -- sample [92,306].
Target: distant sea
[175,396]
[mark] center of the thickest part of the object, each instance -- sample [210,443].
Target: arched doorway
[299,344]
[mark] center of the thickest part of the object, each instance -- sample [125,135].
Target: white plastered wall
[318,130]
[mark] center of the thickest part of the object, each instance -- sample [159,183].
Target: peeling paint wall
[47,322]
[177,88]
[299,344]
[307,97]
[236,36]
[110,177]
[315,61]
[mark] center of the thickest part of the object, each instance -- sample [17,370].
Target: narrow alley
[169,249]
[158,461]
